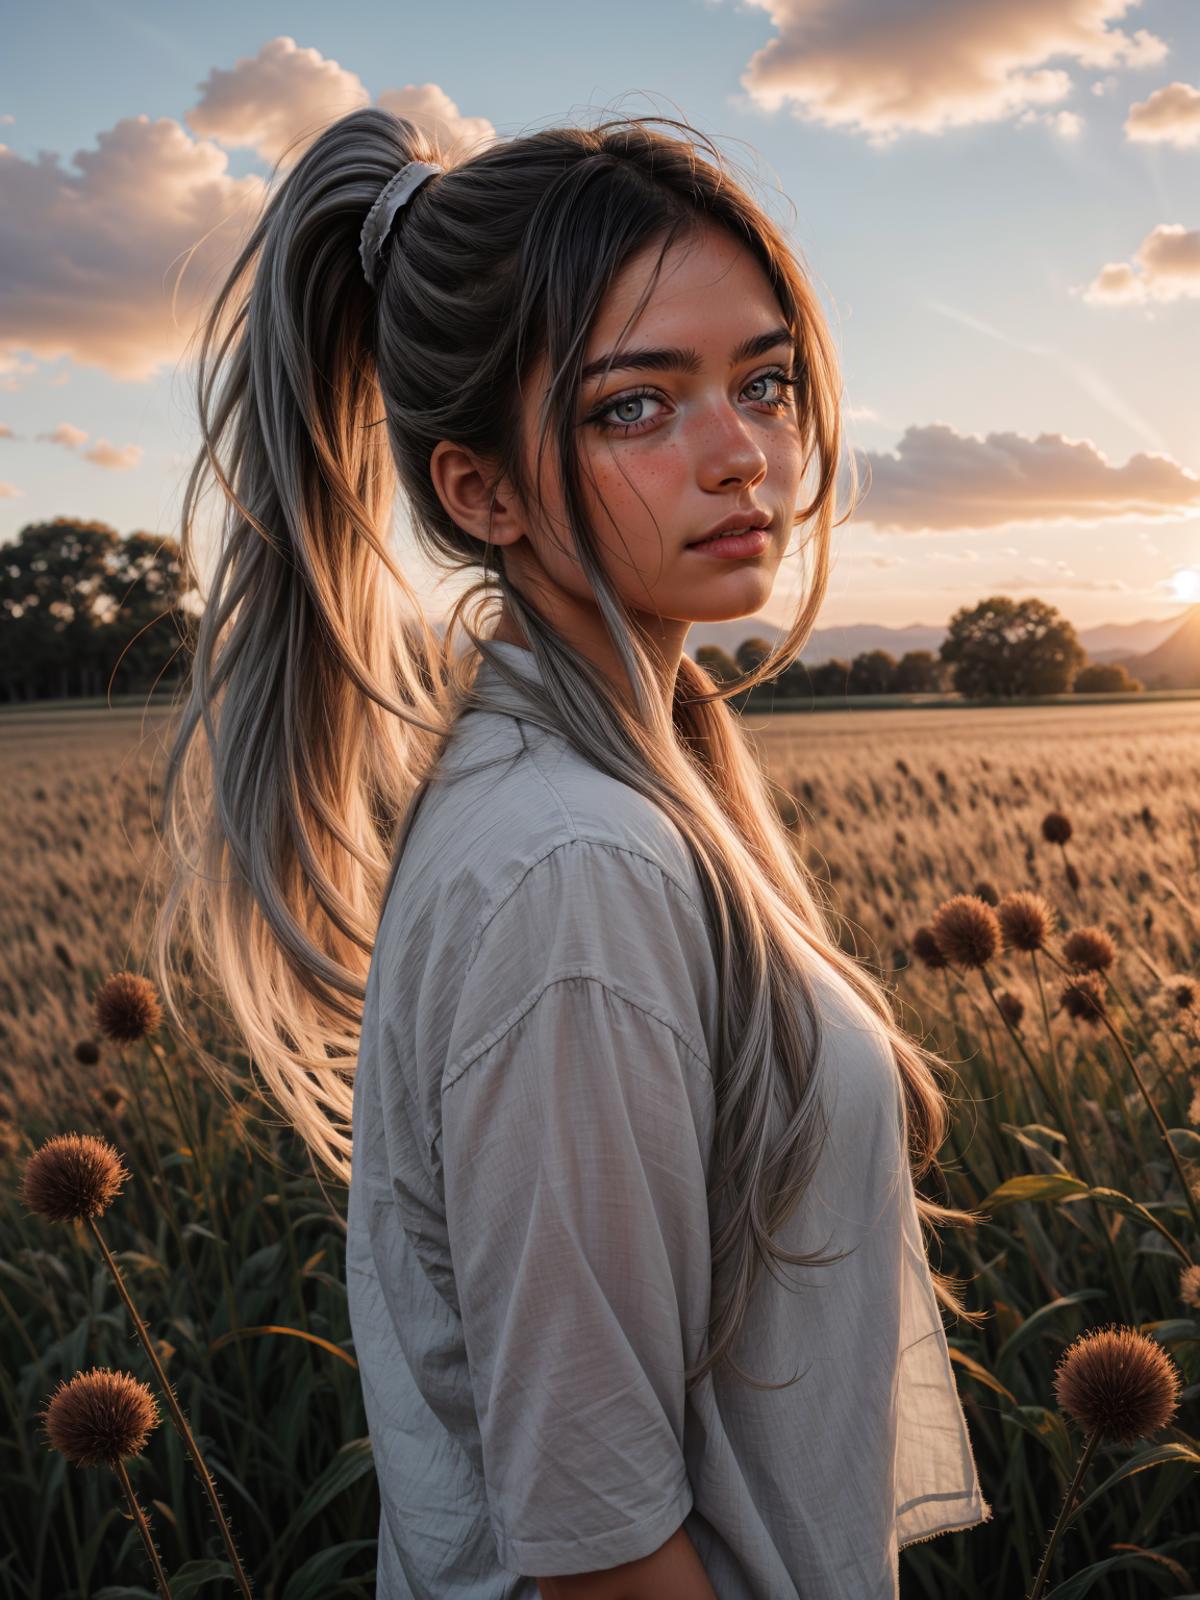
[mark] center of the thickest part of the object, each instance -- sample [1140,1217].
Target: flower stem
[176,1412]
[1164,1133]
[1064,1514]
[139,1516]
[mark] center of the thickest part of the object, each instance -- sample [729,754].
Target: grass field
[236,1263]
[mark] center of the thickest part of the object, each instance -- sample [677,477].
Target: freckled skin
[703,445]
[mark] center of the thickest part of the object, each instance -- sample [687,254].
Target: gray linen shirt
[528,1261]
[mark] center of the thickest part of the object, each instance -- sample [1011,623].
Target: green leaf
[1015,1341]
[1035,1186]
[977,1371]
[312,1580]
[192,1574]
[352,1462]
[1158,1455]
[1049,1428]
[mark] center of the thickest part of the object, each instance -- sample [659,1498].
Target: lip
[736,522]
[734,546]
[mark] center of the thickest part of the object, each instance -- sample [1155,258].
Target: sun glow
[1185,584]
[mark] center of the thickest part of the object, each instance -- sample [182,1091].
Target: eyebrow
[673,358]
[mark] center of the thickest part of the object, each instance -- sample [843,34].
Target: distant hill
[1109,641]
[1173,664]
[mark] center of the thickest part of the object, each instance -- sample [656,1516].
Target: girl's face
[695,421]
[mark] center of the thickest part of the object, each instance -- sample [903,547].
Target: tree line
[999,648]
[87,611]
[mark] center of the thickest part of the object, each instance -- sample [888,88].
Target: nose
[729,451]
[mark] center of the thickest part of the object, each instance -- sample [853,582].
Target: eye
[605,417]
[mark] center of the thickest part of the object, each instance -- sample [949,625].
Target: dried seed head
[87,1052]
[1027,920]
[1012,1008]
[924,947]
[72,1177]
[1182,992]
[966,931]
[1056,827]
[1118,1380]
[1089,948]
[1189,1286]
[1084,999]
[127,1007]
[99,1417]
[112,1098]
[987,890]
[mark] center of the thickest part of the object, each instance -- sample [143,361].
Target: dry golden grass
[898,812]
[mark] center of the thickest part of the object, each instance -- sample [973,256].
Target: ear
[472,496]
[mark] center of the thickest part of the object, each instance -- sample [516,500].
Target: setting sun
[1185,584]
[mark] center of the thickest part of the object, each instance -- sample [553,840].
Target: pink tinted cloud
[937,480]
[930,65]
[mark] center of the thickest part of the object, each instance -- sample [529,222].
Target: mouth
[750,541]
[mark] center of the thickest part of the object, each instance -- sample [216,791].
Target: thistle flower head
[99,1417]
[1012,1008]
[86,1052]
[1189,1286]
[1083,998]
[924,947]
[1026,919]
[126,1007]
[111,1098]
[1119,1381]
[966,931]
[72,1177]
[1182,992]
[987,890]
[1089,948]
[1056,827]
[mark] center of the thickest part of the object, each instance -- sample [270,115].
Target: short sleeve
[577,1216]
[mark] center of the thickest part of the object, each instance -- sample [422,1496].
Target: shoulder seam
[492,912]
[490,1040]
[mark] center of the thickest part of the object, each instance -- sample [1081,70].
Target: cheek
[636,488]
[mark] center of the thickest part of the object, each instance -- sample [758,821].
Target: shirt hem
[543,1558]
[982,1513]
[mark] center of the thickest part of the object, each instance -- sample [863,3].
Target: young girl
[516,935]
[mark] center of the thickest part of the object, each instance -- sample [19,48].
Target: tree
[751,653]
[918,672]
[718,663]
[1106,677]
[872,672]
[1004,648]
[83,610]
[830,677]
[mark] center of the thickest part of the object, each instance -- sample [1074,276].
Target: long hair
[320,697]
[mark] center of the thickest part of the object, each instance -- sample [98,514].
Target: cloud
[102,453]
[886,69]
[1165,267]
[285,95]
[9,491]
[89,254]
[1171,115]
[111,257]
[66,434]
[940,481]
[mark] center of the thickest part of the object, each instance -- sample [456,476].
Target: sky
[997,202]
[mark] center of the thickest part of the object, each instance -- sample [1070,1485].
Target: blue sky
[999,202]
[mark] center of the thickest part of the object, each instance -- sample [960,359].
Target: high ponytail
[310,702]
[320,696]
